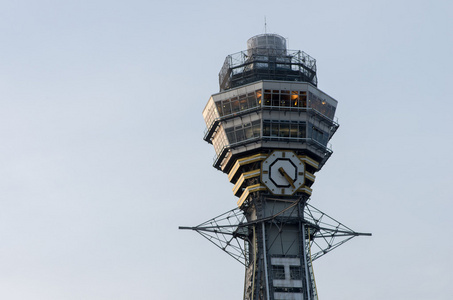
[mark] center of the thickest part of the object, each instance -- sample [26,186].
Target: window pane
[234,106]
[294,130]
[240,135]
[266,129]
[256,128]
[251,100]
[294,99]
[248,132]
[284,130]
[284,100]
[274,129]
[226,107]
[267,98]
[258,96]
[302,131]
[243,104]
[275,99]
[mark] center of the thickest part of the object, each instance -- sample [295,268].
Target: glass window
[294,99]
[261,65]
[251,100]
[275,98]
[284,100]
[319,135]
[266,128]
[219,107]
[284,130]
[256,127]
[267,97]
[243,104]
[230,135]
[293,130]
[240,135]
[258,96]
[226,107]
[234,105]
[303,99]
[302,131]
[274,129]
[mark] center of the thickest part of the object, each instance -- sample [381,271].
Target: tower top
[265,43]
[267,58]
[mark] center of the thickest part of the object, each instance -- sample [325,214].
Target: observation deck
[267,58]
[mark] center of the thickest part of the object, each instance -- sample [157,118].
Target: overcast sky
[102,157]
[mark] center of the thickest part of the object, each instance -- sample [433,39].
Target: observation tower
[270,126]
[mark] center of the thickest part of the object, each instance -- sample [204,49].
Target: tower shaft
[280,263]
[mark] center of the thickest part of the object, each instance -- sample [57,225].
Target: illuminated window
[267,98]
[294,99]
[258,96]
[226,107]
[285,99]
[235,105]
[243,104]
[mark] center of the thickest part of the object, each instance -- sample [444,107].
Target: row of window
[243,132]
[284,129]
[285,98]
[271,129]
[294,130]
[275,98]
[239,103]
[321,105]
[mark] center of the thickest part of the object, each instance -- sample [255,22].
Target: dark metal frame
[267,64]
[229,230]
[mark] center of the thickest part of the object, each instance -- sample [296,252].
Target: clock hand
[284,174]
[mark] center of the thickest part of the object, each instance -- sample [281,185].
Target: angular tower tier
[246,124]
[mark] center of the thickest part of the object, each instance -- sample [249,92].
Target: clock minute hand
[287,177]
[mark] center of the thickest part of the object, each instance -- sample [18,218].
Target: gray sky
[102,157]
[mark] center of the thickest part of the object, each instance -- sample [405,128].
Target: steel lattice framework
[230,231]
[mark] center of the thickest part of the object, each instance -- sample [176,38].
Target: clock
[282,172]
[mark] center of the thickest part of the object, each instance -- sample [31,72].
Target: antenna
[265,25]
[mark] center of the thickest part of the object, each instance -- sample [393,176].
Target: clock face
[283,172]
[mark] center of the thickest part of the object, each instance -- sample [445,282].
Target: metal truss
[228,231]
[326,233]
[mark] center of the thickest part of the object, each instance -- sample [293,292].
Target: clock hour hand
[287,177]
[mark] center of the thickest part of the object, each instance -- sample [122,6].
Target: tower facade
[270,126]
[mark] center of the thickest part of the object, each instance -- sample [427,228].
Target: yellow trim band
[310,176]
[245,161]
[309,161]
[248,190]
[244,176]
[305,189]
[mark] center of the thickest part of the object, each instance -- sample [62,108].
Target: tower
[270,126]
